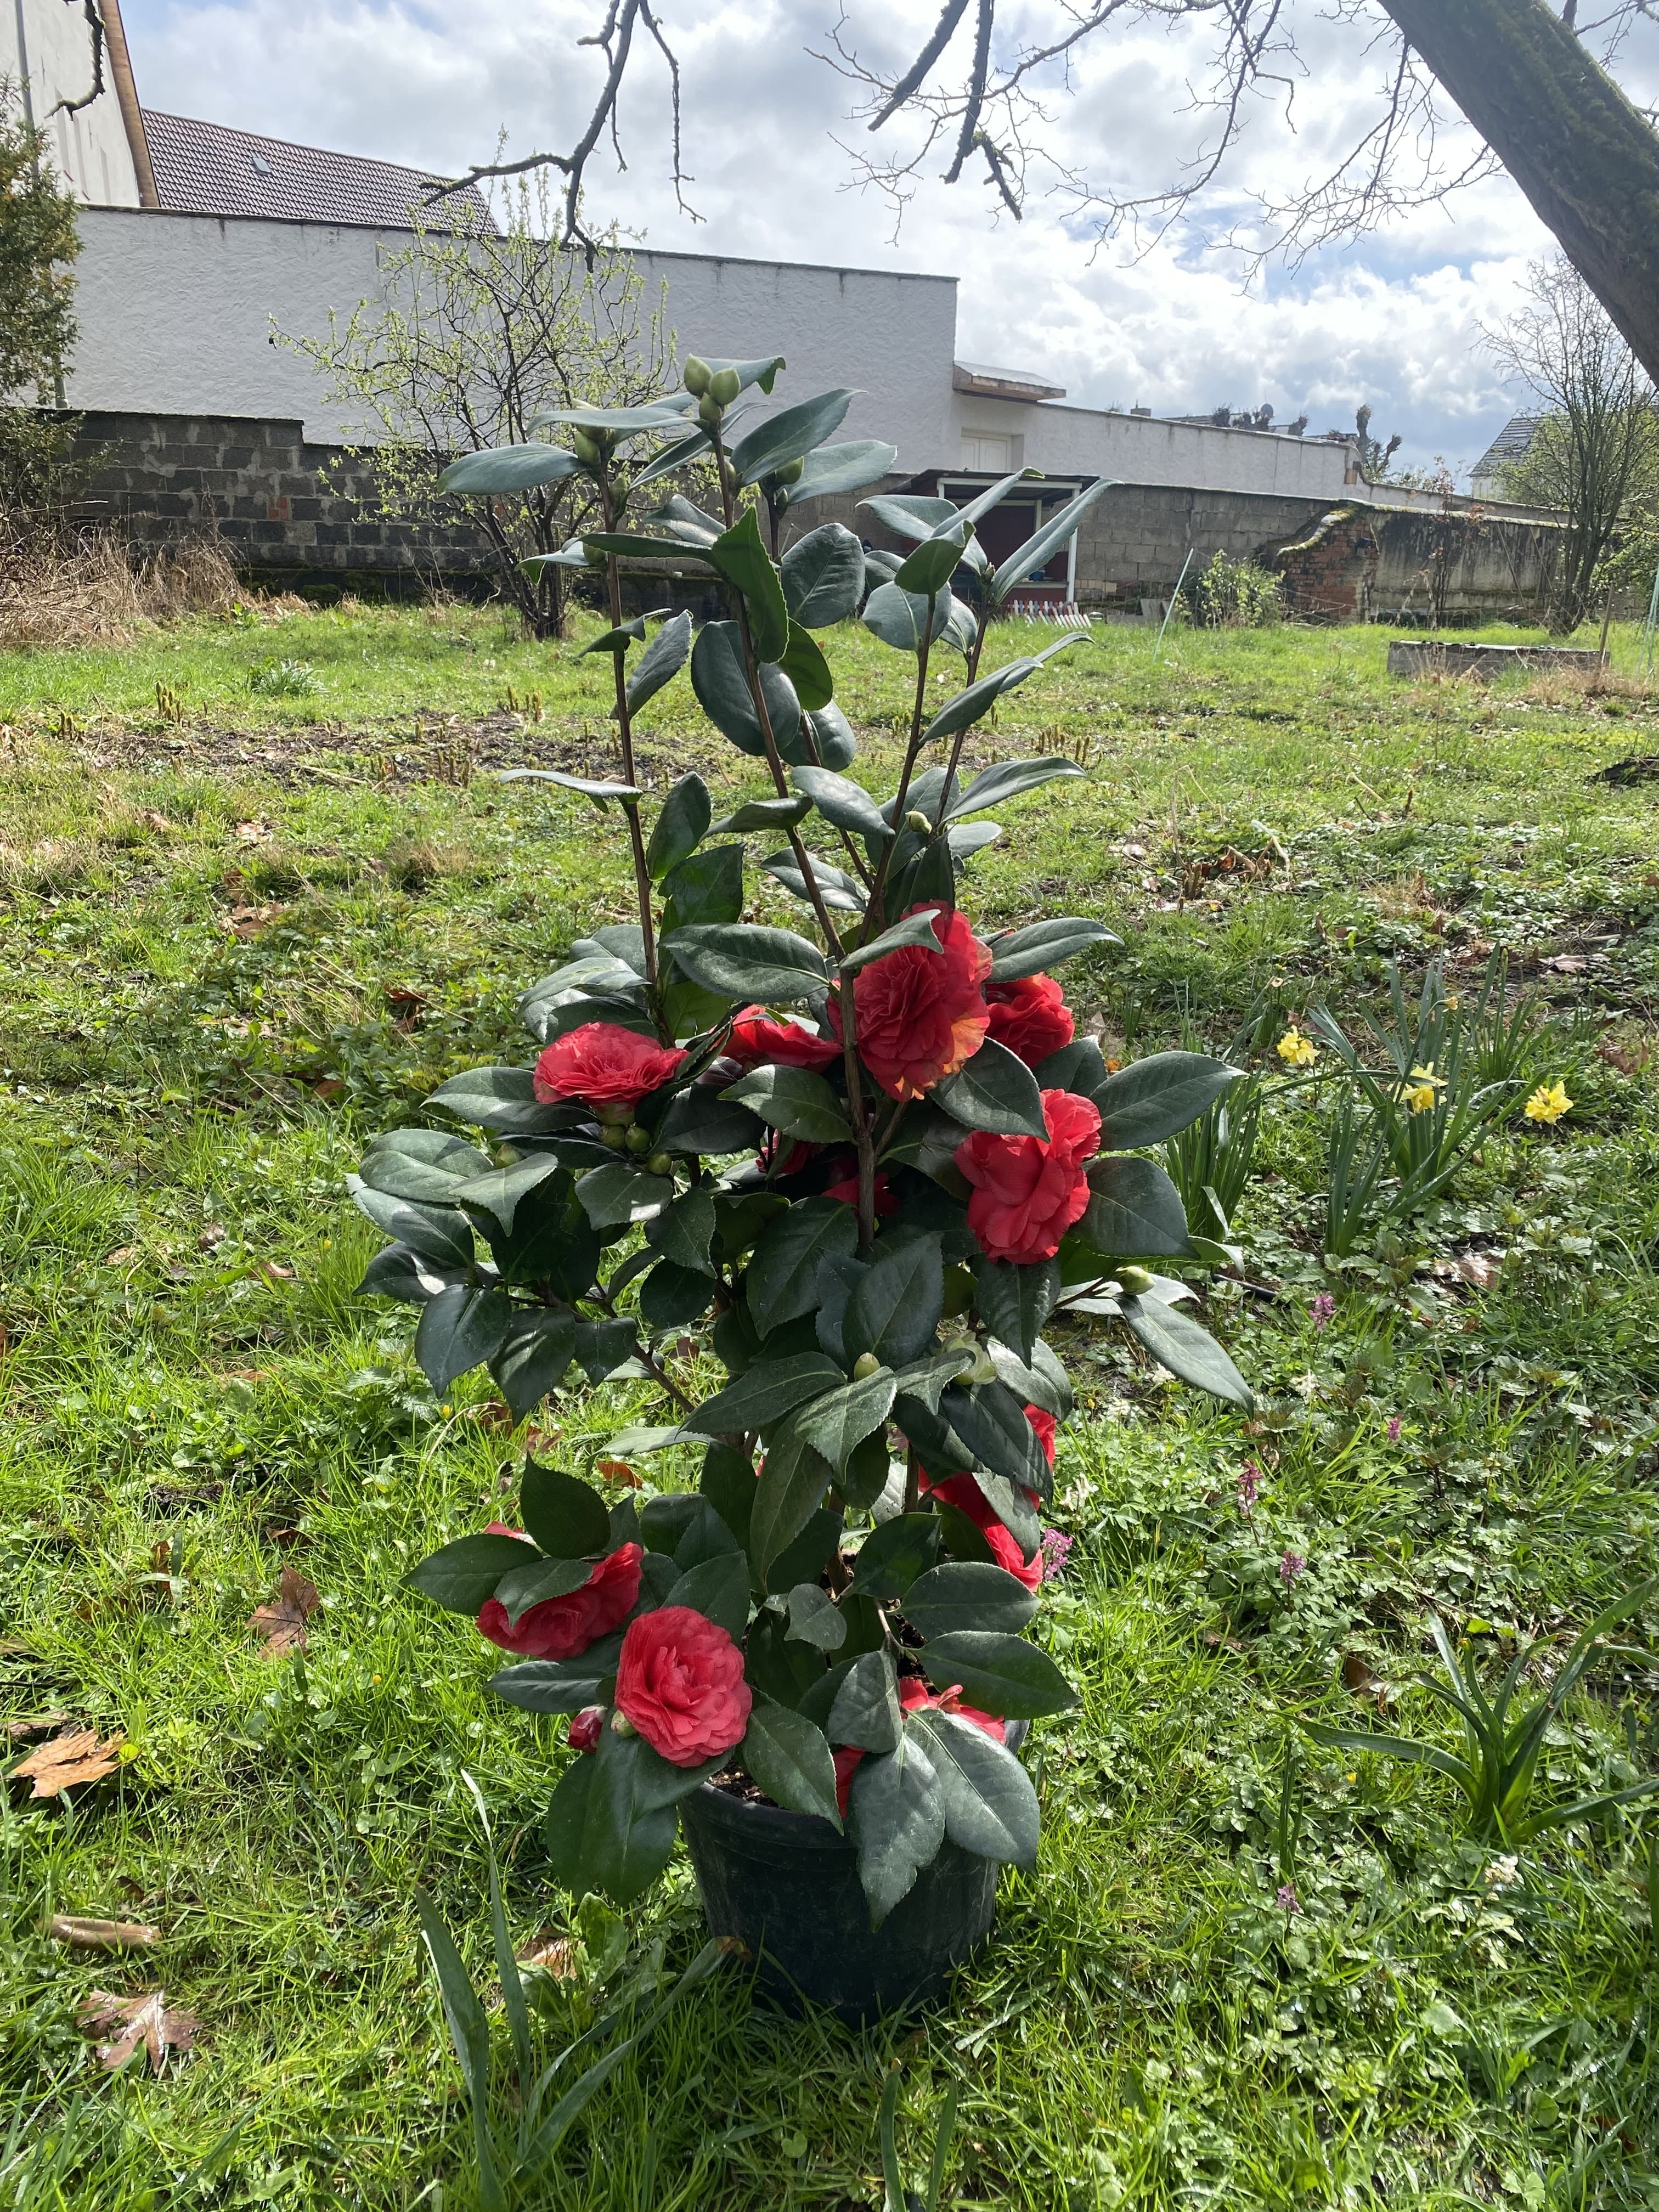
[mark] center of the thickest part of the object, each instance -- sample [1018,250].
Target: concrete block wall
[284,509]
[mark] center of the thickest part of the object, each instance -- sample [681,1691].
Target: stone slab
[1443,657]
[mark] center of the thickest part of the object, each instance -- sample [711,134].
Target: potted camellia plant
[866,1162]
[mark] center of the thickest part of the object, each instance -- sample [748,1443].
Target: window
[987,453]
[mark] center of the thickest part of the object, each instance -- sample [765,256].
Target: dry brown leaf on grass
[273,1270]
[146,2020]
[282,1622]
[550,1954]
[246,921]
[253,833]
[67,1761]
[101,1935]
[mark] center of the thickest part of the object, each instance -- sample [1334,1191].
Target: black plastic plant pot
[787,1886]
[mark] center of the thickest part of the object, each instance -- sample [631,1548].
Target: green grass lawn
[241,927]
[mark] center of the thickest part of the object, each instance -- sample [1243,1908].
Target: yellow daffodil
[1417,1091]
[1296,1050]
[1549,1103]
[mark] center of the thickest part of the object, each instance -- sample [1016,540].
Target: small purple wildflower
[1393,1430]
[1291,1568]
[1056,1550]
[1249,1485]
[1322,1309]
[1288,1899]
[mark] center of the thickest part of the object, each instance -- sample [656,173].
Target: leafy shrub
[284,679]
[1232,594]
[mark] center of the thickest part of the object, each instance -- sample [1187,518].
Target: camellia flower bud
[866,1364]
[791,472]
[916,820]
[620,1725]
[708,412]
[613,1133]
[1135,1281]
[585,1728]
[621,485]
[725,385]
[588,450]
[660,1165]
[637,1139]
[698,375]
[983,1369]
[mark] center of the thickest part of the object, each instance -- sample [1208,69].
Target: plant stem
[912,1480]
[872,912]
[624,723]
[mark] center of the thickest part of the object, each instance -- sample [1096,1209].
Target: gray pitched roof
[204,168]
[1509,446]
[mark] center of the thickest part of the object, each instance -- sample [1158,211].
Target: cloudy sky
[1393,320]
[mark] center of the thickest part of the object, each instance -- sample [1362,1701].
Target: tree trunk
[1578,149]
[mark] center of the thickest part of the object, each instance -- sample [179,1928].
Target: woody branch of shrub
[864,1166]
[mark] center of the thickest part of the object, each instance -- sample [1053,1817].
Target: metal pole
[1182,579]
[1647,627]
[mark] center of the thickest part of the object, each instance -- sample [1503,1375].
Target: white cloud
[1392,320]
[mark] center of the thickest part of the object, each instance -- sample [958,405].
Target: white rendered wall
[176,313]
[1086,441]
[46,47]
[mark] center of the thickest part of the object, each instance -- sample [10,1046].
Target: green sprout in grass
[1499,1765]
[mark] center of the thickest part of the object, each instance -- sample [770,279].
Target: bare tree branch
[615,39]
[95,35]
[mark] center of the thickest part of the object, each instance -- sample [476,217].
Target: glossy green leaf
[932,563]
[601,1832]
[500,1099]
[748,961]
[789,435]
[845,804]
[463,1575]
[894,1554]
[896,1815]
[566,1518]
[684,1233]
[999,1674]
[895,1304]
[499,1190]
[823,576]
[902,619]
[1008,779]
[603,1346]
[783,1271]
[534,1353]
[796,1101]
[665,414]
[1134,1212]
[460,1329]
[720,679]
[847,467]
[841,892]
[762,370]
[560,1685]
[681,825]
[991,1421]
[761,1397]
[717,1588]
[803,662]
[427,1165]
[1177,1342]
[994,1091]
[1015,1301]
[917,928]
[673,1297]
[503,469]
[442,1233]
[791,1760]
[763,814]
[617,1193]
[790,1485]
[742,558]
[827,740]
[835,1424]
[589,786]
[990,1806]
[534,1581]
[815,1618]
[866,1710]
[661,661]
[1045,945]
[1152,1098]
[968,1594]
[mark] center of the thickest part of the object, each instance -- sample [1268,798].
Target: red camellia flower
[1028,1193]
[1044,1425]
[1029,1016]
[965,1494]
[559,1627]
[922,1015]
[680,1682]
[605,1066]
[913,1695]
[757,1040]
[846,1188]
